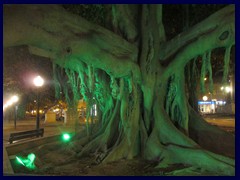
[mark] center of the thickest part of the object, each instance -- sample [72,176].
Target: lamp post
[15,117]
[38,82]
[14,99]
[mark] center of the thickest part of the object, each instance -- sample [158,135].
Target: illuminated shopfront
[207,107]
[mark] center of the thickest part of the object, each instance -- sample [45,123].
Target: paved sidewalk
[225,122]
[50,129]
[7,167]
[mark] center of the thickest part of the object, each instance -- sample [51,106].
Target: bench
[25,134]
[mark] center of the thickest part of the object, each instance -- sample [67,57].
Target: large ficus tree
[135,76]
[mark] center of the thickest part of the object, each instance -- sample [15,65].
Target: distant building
[221,100]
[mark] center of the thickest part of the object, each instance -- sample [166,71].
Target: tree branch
[216,31]
[123,21]
[68,38]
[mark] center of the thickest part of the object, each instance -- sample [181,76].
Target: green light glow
[20,161]
[29,162]
[66,137]
[31,157]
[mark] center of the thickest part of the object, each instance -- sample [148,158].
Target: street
[225,122]
[50,129]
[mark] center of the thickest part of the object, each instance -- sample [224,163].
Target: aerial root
[122,150]
[92,146]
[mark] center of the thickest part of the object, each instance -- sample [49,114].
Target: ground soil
[57,159]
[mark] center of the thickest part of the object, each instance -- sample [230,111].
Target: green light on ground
[28,162]
[66,137]
[20,161]
[31,157]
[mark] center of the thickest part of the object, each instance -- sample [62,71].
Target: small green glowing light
[66,137]
[20,161]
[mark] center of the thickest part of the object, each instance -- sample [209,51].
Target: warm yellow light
[9,103]
[222,88]
[14,99]
[228,89]
[38,81]
[4,107]
[205,98]
[205,79]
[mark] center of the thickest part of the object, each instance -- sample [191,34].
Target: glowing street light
[5,106]
[205,98]
[14,99]
[38,82]
[228,89]
[11,101]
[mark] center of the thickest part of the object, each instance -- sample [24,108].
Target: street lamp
[38,82]
[205,98]
[14,99]
[228,89]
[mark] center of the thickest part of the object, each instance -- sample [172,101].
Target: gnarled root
[178,148]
